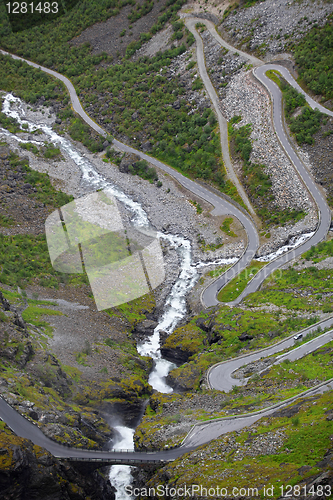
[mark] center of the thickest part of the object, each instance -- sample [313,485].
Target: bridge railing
[118,460]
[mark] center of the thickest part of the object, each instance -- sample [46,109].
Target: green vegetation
[319,252]
[196,205]
[241,138]
[53,49]
[45,192]
[170,14]
[190,143]
[28,83]
[190,65]
[257,182]
[202,26]
[277,290]
[30,147]
[33,313]
[217,272]
[302,439]
[134,311]
[314,366]
[197,84]
[205,247]
[142,169]
[263,327]
[6,221]
[25,259]
[140,10]
[80,131]
[226,227]
[49,150]
[9,123]
[314,58]
[238,284]
[306,123]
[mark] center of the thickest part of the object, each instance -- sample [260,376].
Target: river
[175,306]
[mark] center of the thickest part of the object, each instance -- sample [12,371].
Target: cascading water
[120,475]
[175,306]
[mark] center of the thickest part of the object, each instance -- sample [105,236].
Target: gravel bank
[168,207]
[268,26]
[245,97]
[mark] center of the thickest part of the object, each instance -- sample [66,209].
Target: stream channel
[175,306]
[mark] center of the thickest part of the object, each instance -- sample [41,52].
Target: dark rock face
[175,355]
[245,336]
[127,161]
[28,472]
[146,327]
[123,411]
[186,380]
[204,324]
[4,302]
[214,330]
[146,146]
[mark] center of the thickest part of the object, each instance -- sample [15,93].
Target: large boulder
[146,146]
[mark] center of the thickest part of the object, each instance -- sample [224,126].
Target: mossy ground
[235,287]
[248,459]
[305,292]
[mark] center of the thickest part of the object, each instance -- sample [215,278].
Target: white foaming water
[175,307]
[89,174]
[296,241]
[120,475]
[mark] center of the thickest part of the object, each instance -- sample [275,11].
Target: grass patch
[45,192]
[197,206]
[34,313]
[319,252]
[311,290]
[237,285]
[226,227]
[25,259]
[136,310]
[6,221]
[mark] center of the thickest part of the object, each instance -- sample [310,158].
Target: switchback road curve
[200,434]
[220,375]
[221,205]
[323,209]
[209,296]
[26,429]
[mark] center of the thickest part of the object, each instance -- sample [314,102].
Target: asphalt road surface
[220,204]
[223,124]
[219,376]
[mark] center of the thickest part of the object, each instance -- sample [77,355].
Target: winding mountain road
[208,297]
[219,376]
[200,433]
[220,204]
